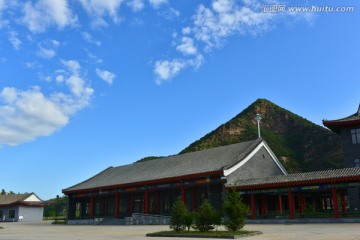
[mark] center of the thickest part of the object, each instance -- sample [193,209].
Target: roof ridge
[244,154]
[89,178]
[199,151]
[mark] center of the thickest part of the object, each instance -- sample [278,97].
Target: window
[12,214]
[357,163]
[355,135]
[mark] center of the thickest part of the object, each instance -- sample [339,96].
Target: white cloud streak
[136,5]
[28,114]
[99,9]
[157,3]
[105,75]
[210,28]
[14,40]
[87,37]
[45,13]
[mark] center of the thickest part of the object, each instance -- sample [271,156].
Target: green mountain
[298,143]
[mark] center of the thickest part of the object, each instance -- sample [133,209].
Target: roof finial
[359,110]
[258,118]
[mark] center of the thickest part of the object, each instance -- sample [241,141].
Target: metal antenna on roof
[258,118]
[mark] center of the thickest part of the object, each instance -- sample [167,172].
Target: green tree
[234,211]
[178,212]
[188,219]
[204,217]
[3,192]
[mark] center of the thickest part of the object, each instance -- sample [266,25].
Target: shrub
[178,212]
[204,217]
[188,219]
[234,211]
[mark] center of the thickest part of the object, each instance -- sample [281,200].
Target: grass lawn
[217,234]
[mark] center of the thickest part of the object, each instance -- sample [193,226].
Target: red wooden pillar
[343,203]
[335,203]
[291,204]
[301,203]
[159,202]
[117,205]
[195,198]
[280,204]
[253,207]
[146,202]
[263,205]
[183,194]
[92,207]
[129,212]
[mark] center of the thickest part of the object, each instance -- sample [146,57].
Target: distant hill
[298,143]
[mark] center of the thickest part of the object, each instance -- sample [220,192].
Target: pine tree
[234,211]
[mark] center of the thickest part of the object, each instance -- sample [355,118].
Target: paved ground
[46,231]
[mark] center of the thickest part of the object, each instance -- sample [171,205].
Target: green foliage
[3,192]
[234,211]
[204,217]
[178,213]
[56,207]
[188,219]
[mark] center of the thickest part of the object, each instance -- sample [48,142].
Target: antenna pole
[258,118]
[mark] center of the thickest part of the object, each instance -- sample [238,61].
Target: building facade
[21,207]
[152,187]
[349,130]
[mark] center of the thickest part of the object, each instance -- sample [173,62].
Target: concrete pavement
[47,231]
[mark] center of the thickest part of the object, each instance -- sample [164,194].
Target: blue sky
[88,84]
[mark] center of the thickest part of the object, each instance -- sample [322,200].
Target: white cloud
[72,65]
[166,70]
[87,37]
[98,9]
[28,114]
[14,40]
[47,49]
[105,75]
[94,58]
[157,3]
[211,26]
[45,13]
[46,53]
[136,5]
[187,46]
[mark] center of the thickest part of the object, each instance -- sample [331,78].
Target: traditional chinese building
[151,187]
[349,130]
[21,207]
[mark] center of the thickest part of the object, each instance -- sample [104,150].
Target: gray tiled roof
[293,179]
[335,125]
[13,198]
[209,160]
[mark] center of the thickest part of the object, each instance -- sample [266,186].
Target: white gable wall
[263,145]
[32,198]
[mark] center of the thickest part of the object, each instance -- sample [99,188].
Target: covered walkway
[320,194]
